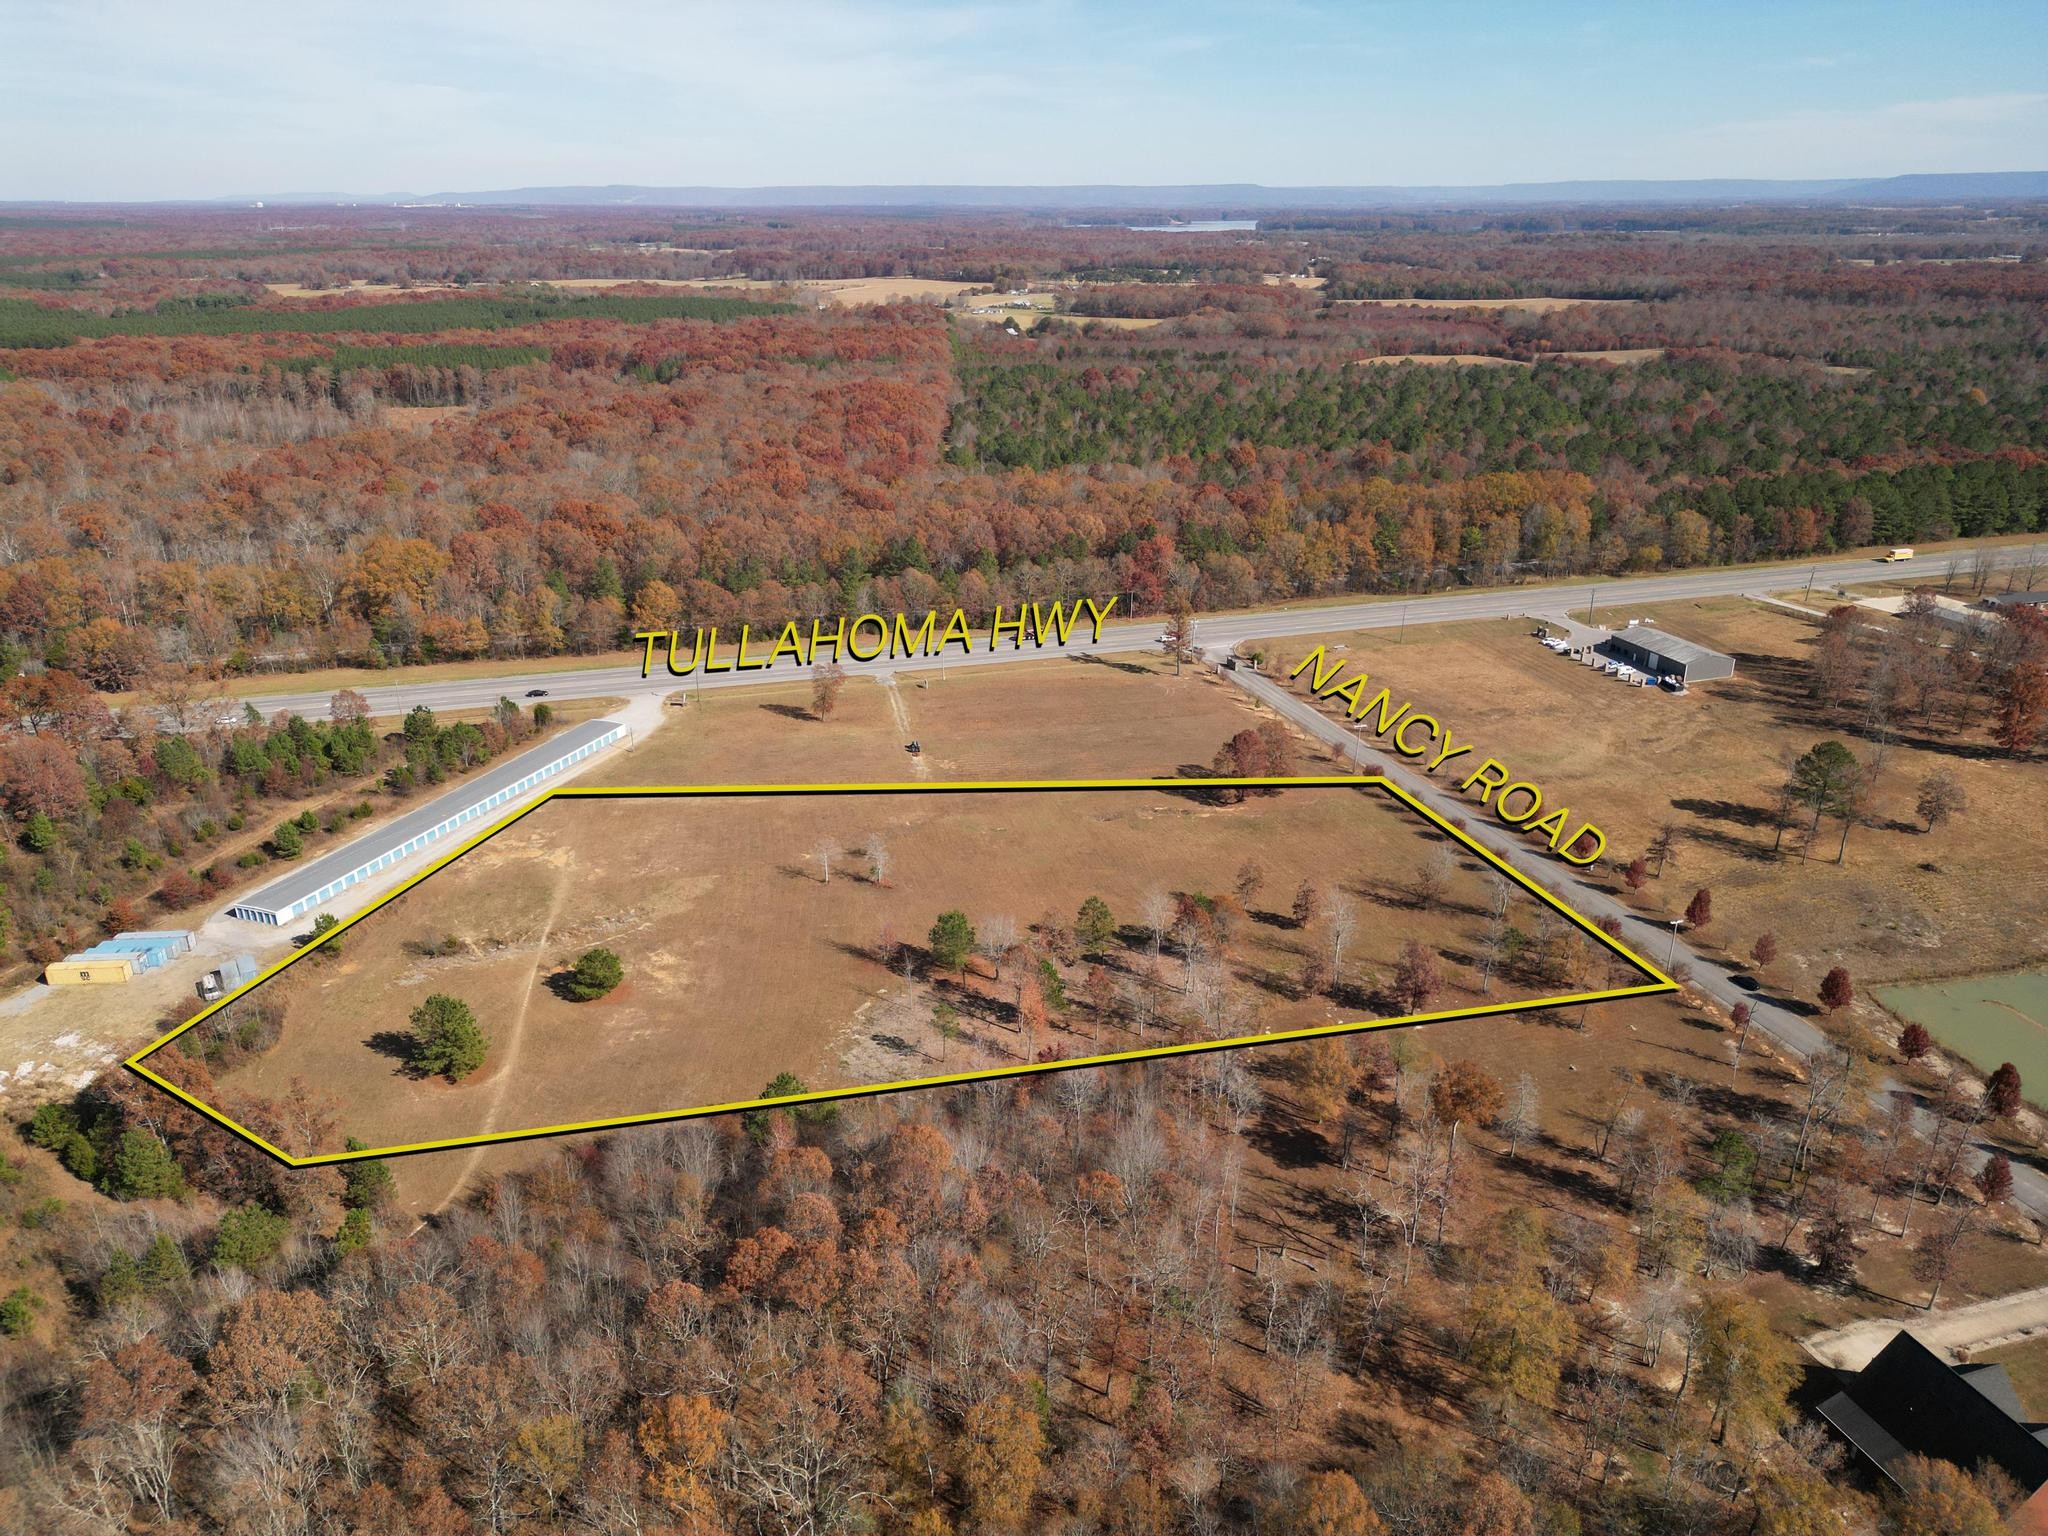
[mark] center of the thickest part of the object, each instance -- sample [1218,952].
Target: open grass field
[1114,322]
[301,291]
[1439,360]
[1068,719]
[746,956]
[890,290]
[1985,1019]
[1897,908]
[2027,1364]
[1534,306]
[1613,355]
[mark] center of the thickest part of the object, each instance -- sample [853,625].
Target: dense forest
[223,479]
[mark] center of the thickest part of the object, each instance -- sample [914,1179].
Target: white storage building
[292,896]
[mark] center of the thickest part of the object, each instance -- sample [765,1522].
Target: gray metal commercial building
[294,895]
[2017,600]
[1661,655]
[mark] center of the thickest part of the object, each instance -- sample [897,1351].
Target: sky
[107,100]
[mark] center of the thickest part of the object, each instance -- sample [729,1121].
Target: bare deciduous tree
[1518,1119]
[1155,911]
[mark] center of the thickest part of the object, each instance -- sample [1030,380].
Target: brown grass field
[744,959]
[1613,355]
[1534,306]
[1900,905]
[1439,359]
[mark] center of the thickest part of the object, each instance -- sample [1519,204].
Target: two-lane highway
[1603,597]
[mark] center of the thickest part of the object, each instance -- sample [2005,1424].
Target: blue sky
[129,99]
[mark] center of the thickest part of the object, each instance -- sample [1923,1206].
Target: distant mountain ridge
[1221,199]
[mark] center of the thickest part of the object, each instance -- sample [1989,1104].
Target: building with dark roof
[1660,655]
[2017,600]
[1909,1401]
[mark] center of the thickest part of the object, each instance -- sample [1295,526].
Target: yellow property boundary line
[1659,982]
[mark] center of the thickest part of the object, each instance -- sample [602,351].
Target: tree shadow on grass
[1753,816]
[1120,666]
[562,983]
[1290,1146]
[399,1046]
[790,711]
[1740,847]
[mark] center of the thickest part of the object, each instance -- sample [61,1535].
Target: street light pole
[1671,950]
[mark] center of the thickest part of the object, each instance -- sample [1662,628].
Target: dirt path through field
[901,711]
[1985,1324]
[508,1062]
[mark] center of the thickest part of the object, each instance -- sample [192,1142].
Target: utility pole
[1589,604]
[1809,583]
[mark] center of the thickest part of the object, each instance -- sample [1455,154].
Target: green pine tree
[951,940]
[121,1281]
[143,1168]
[365,1185]
[446,1040]
[163,1266]
[248,1237]
[597,972]
[356,1232]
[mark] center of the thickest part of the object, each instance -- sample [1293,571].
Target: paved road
[1652,939]
[1607,599]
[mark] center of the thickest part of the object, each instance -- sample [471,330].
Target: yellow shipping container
[90,971]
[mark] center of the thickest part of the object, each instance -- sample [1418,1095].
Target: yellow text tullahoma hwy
[1517,802]
[873,635]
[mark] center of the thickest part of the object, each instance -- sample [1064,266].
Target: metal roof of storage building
[1670,647]
[282,894]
